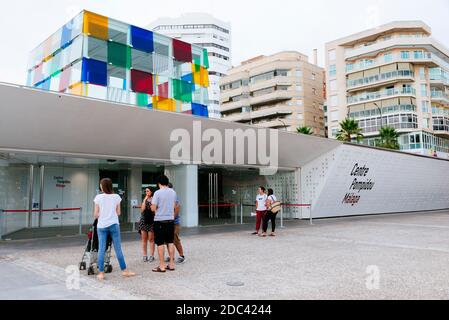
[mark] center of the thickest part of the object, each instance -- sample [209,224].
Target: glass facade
[98,57]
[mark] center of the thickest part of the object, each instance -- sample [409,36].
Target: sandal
[128,274]
[169,269]
[158,269]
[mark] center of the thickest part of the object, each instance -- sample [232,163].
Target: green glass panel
[142,99]
[205,59]
[182,90]
[197,59]
[119,55]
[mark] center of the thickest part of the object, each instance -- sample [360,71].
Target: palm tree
[388,138]
[304,130]
[349,130]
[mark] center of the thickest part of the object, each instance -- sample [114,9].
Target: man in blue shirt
[176,239]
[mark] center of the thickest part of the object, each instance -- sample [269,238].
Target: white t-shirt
[261,200]
[165,200]
[108,212]
[272,198]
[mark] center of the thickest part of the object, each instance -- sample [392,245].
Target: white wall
[400,183]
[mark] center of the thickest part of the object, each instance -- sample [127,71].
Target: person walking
[270,215]
[164,204]
[176,239]
[107,211]
[261,208]
[146,226]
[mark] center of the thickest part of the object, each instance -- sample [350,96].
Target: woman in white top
[269,215]
[107,211]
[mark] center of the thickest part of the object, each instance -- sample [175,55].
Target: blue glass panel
[142,39]
[46,84]
[200,110]
[66,34]
[188,78]
[95,72]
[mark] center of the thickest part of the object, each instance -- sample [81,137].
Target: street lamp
[285,126]
[380,112]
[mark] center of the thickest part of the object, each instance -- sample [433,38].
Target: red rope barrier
[44,210]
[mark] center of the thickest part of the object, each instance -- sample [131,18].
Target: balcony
[401,122]
[379,95]
[228,106]
[439,96]
[441,125]
[277,95]
[439,79]
[238,117]
[424,58]
[380,79]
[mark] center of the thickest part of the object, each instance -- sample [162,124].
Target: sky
[258,26]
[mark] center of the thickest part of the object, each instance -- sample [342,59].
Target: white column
[135,192]
[185,182]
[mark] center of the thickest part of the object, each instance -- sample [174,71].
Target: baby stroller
[90,255]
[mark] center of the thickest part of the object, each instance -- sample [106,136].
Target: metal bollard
[241,213]
[310,216]
[282,217]
[81,221]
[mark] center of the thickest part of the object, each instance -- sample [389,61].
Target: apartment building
[394,75]
[282,91]
[206,31]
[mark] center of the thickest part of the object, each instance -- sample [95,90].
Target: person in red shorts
[261,208]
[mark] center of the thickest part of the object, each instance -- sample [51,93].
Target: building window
[334,115]
[388,57]
[425,106]
[299,73]
[333,85]
[333,101]
[298,87]
[422,73]
[349,67]
[332,55]
[332,70]
[424,90]
[313,76]
[405,55]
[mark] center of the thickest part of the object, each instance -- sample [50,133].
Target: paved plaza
[400,256]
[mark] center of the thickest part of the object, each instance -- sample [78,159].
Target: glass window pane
[96,25]
[142,39]
[94,91]
[141,82]
[97,49]
[118,31]
[142,61]
[182,51]
[119,55]
[94,72]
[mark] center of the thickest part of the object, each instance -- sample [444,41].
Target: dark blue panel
[95,72]
[142,39]
[200,110]
[188,78]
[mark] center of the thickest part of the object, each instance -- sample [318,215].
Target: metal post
[133,220]
[41,195]
[310,215]
[241,213]
[235,213]
[282,217]
[2,218]
[30,197]
[81,221]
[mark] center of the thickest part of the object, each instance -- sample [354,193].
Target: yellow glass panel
[164,104]
[96,25]
[204,77]
[77,89]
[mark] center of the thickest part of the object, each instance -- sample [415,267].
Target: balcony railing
[380,95]
[440,78]
[379,78]
[424,56]
[439,95]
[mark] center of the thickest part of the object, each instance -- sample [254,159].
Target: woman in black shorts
[146,226]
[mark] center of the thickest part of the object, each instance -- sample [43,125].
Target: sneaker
[150,259]
[255,232]
[145,259]
[181,260]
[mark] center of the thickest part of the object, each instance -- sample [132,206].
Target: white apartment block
[206,31]
[394,75]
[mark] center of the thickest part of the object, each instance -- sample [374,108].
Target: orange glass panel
[164,104]
[77,89]
[96,25]
[204,77]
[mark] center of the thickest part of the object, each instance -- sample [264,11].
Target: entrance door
[120,184]
[215,205]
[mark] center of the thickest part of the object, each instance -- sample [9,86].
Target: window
[405,55]
[313,76]
[388,57]
[425,106]
[332,70]
[334,115]
[298,87]
[349,67]
[299,73]
[334,132]
[425,123]
[333,101]
[424,90]
[333,85]
[332,55]
[422,73]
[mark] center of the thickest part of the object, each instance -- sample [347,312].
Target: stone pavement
[401,256]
